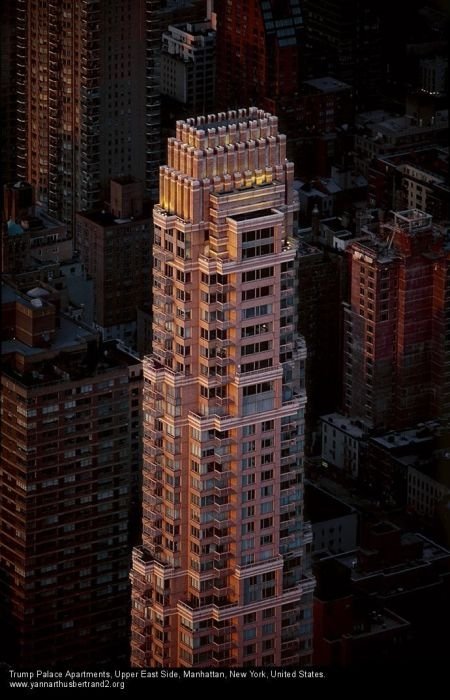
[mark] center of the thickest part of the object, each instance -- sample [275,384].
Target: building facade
[87,98]
[115,245]
[396,361]
[188,57]
[260,54]
[343,37]
[70,452]
[221,578]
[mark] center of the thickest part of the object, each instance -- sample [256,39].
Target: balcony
[150,433]
[163,255]
[221,646]
[139,624]
[219,539]
[222,358]
[224,288]
[151,531]
[138,640]
[224,325]
[139,656]
[150,499]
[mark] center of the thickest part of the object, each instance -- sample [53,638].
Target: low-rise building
[342,438]
[334,523]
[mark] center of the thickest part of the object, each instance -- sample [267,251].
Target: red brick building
[396,368]
[258,54]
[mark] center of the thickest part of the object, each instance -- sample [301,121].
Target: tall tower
[221,577]
[86,101]
[70,447]
[259,52]
[396,359]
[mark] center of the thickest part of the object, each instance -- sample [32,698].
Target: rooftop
[253,214]
[412,437]
[430,552]
[379,621]
[328,84]
[106,219]
[412,220]
[9,295]
[351,426]
[320,505]
[68,335]
[87,359]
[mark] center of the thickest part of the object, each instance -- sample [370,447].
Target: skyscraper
[343,39]
[115,245]
[8,43]
[396,326]
[87,98]
[259,53]
[70,450]
[222,576]
[188,67]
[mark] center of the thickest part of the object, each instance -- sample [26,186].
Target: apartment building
[222,577]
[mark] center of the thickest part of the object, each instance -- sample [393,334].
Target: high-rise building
[188,67]
[396,357]
[8,42]
[87,98]
[70,450]
[115,245]
[222,575]
[259,53]
[343,38]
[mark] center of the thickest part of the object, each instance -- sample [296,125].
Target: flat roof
[430,552]
[327,84]
[106,219]
[347,425]
[320,505]
[68,335]
[253,214]
[52,366]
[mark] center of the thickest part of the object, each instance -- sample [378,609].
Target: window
[255,311]
[265,523]
[253,275]
[253,348]
[259,329]
[256,293]
[265,539]
[257,251]
[248,463]
[257,235]
[254,389]
[266,507]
